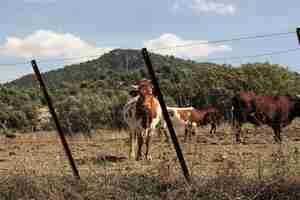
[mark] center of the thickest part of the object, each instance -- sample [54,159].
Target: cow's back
[205,115]
[276,109]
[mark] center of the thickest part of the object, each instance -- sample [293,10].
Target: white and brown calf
[192,118]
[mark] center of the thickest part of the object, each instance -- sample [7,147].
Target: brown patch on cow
[152,104]
[184,114]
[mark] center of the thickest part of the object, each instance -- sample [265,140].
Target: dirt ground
[106,152]
[34,166]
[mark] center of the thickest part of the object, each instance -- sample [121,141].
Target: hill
[118,61]
[91,94]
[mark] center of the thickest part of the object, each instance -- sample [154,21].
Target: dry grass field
[34,166]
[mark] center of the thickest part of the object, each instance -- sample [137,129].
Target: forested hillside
[90,95]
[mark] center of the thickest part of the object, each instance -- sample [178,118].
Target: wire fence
[190,44]
[76,142]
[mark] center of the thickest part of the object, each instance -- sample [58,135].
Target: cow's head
[145,88]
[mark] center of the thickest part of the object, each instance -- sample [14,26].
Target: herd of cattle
[143,115]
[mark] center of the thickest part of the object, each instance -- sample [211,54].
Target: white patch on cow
[129,114]
[176,113]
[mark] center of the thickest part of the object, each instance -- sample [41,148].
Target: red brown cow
[274,111]
[192,117]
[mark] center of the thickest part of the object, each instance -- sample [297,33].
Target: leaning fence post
[54,116]
[166,114]
[298,34]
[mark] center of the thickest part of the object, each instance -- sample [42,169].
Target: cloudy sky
[54,30]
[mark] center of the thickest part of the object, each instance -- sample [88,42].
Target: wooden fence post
[54,116]
[166,114]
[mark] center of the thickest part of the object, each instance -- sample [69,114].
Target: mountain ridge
[116,61]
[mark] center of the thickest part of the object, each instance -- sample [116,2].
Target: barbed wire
[207,59]
[270,35]
[67,59]
[254,56]
[14,64]
[51,60]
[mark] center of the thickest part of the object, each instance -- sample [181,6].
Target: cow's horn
[135,86]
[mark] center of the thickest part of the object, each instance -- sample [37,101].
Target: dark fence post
[298,34]
[166,114]
[53,113]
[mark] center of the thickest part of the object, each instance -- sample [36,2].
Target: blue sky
[55,29]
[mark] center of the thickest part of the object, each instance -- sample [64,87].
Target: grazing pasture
[34,165]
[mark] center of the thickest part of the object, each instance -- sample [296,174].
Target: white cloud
[192,49]
[209,6]
[220,7]
[49,44]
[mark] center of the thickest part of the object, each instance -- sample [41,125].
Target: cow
[192,118]
[142,114]
[274,111]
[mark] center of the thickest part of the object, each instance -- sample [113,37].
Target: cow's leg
[166,135]
[186,132]
[133,143]
[140,142]
[277,131]
[213,129]
[148,140]
[238,133]
[192,132]
[163,131]
[159,132]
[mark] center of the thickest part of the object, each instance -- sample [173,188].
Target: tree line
[91,95]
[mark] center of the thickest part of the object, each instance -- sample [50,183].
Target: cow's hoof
[149,158]
[241,142]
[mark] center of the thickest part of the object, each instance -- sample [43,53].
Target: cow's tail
[253,106]
[219,117]
[235,112]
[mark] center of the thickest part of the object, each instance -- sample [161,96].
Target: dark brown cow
[274,111]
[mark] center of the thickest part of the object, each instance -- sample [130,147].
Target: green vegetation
[91,95]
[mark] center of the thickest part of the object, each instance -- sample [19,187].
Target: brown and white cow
[142,114]
[192,118]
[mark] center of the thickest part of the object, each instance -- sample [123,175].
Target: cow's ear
[136,87]
[133,93]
